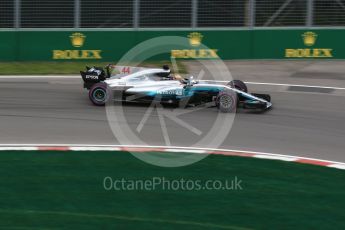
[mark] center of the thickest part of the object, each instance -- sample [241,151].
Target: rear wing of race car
[93,75]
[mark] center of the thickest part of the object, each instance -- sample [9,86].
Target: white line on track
[282,84]
[307,86]
[283,158]
[337,166]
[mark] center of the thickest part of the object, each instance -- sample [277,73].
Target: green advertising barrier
[112,45]
[8,46]
[225,44]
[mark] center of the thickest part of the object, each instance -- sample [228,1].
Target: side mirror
[190,81]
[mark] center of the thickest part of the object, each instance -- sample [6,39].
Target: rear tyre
[227,101]
[238,84]
[99,94]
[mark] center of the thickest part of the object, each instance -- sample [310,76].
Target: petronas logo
[77,39]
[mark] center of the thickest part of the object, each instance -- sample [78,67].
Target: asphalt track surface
[306,122]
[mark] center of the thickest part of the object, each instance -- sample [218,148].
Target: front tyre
[99,94]
[227,101]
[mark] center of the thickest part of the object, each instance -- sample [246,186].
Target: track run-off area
[307,119]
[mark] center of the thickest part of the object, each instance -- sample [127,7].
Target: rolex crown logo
[195,38]
[309,38]
[77,39]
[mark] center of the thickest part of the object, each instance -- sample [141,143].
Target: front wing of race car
[253,101]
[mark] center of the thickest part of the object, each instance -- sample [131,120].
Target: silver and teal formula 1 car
[155,85]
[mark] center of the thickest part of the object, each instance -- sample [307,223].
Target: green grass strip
[65,190]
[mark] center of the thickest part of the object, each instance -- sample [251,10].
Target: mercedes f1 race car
[148,85]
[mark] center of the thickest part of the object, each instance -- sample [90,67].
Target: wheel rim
[99,95]
[225,101]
